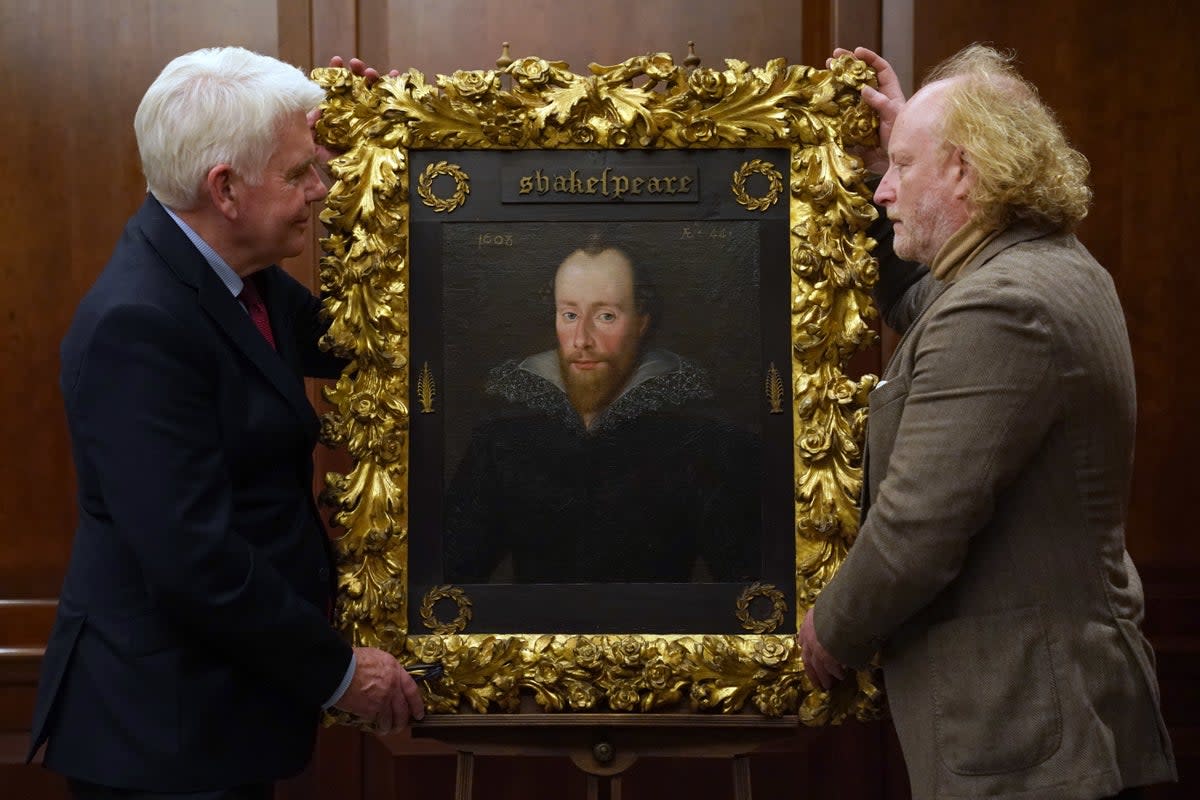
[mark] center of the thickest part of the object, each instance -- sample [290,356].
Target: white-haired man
[192,652]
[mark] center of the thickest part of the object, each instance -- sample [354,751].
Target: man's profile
[605,464]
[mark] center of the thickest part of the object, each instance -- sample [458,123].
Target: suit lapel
[182,257]
[232,318]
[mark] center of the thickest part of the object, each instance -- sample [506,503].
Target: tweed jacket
[990,570]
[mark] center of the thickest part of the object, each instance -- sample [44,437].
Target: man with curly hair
[990,572]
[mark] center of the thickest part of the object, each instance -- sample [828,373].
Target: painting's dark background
[72,72]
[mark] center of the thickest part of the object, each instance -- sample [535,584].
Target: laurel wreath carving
[462,186]
[778,608]
[757,167]
[456,596]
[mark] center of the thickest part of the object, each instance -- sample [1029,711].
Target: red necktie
[258,310]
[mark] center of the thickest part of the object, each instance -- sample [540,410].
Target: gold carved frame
[646,103]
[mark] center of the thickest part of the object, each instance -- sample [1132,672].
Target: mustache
[583,355]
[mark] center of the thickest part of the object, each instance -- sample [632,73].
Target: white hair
[219,105]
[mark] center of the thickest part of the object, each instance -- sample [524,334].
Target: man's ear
[222,186]
[643,325]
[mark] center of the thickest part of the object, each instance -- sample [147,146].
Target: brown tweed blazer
[990,571]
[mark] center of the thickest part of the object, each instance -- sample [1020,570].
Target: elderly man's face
[273,215]
[599,329]
[924,189]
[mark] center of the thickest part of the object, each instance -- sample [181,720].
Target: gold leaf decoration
[648,103]
[462,186]
[633,673]
[757,167]
[774,389]
[426,389]
[454,595]
[768,592]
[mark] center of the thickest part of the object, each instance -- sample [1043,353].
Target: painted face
[273,215]
[924,189]
[599,329]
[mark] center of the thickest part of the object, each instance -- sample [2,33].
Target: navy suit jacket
[192,648]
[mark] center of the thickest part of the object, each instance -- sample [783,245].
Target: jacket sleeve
[980,398]
[142,407]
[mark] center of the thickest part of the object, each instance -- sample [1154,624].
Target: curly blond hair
[1026,169]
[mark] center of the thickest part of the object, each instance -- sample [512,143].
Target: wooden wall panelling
[462,34]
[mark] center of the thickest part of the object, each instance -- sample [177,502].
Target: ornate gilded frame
[648,103]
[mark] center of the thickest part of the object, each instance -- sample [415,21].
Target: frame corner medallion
[646,103]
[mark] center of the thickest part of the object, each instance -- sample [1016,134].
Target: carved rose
[772,702]
[391,447]
[771,652]
[363,407]
[546,671]
[530,72]
[431,648]
[851,70]
[842,391]
[391,595]
[860,126]
[628,651]
[582,696]
[658,674]
[474,83]
[623,696]
[504,129]
[375,540]
[583,134]
[587,655]
[660,67]
[333,432]
[813,445]
[701,129]
[708,84]
[703,695]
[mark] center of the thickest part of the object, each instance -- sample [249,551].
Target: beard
[590,392]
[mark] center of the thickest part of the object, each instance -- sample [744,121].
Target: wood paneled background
[1121,75]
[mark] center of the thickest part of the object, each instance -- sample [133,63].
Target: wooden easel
[605,745]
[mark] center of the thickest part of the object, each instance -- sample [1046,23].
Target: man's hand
[370,75]
[381,691]
[360,68]
[887,101]
[822,668]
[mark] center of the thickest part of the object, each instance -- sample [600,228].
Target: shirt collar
[225,272]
